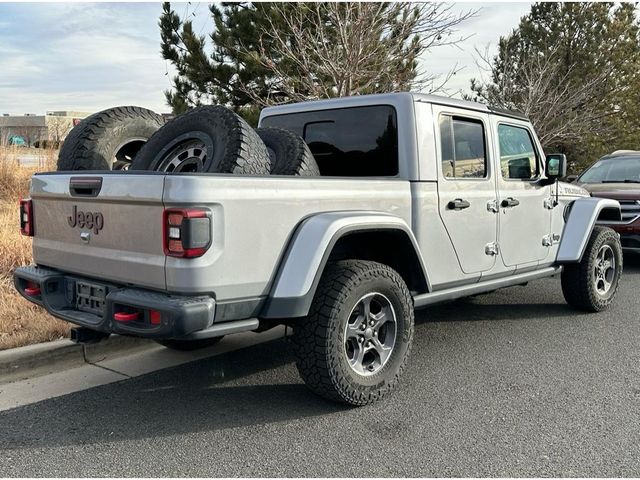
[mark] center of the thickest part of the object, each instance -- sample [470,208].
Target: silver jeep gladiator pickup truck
[420,200]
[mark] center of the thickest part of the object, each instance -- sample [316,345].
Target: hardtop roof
[391,98]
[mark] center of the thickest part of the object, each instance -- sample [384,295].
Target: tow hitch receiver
[87,336]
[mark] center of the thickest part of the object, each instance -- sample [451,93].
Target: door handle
[509,202]
[458,204]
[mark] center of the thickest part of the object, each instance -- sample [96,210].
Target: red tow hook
[126,317]
[32,289]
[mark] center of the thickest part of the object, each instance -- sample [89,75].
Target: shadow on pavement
[510,303]
[220,392]
[466,310]
[252,386]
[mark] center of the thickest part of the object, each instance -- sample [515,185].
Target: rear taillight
[26,217]
[187,232]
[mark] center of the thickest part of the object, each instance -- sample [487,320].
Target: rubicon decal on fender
[91,220]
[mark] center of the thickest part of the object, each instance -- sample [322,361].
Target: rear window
[347,142]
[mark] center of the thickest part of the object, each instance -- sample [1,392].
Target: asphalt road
[512,383]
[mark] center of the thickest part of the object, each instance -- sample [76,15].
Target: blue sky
[81,56]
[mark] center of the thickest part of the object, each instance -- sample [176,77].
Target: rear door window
[463,147]
[347,142]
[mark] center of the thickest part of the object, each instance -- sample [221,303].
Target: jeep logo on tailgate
[91,220]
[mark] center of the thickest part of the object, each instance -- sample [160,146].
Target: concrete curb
[44,358]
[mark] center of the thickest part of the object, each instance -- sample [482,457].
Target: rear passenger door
[466,186]
[525,208]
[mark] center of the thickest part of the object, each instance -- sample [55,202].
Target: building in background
[38,130]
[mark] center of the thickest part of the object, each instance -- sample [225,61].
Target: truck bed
[254,218]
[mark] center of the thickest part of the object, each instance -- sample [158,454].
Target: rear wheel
[205,139]
[356,340]
[189,345]
[108,140]
[592,284]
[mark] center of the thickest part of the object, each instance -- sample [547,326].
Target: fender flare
[308,252]
[583,216]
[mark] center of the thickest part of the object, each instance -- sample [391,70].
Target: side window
[463,147]
[518,158]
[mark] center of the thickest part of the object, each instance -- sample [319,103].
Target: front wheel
[592,284]
[356,340]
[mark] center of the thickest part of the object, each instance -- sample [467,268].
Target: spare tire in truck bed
[205,139]
[288,152]
[109,139]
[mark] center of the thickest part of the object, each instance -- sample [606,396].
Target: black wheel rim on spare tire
[187,153]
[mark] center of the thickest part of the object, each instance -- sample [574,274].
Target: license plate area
[90,297]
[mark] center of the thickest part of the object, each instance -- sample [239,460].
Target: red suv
[617,176]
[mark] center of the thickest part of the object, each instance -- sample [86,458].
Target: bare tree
[339,49]
[58,128]
[540,87]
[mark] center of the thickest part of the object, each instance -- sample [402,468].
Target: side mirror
[556,166]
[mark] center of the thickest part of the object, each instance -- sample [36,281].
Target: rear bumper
[179,316]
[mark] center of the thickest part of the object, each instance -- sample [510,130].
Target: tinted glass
[518,159]
[353,142]
[615,169]
[462,147]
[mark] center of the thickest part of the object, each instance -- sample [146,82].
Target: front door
[466,186]
[525,215]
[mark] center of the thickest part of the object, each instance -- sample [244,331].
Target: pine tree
[215,77]
[268,53]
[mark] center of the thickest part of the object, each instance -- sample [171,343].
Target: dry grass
[21,322]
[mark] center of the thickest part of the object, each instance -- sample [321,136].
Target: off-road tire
[319,339]
[190,345]
[578,279]
[236,147]
[108,139]
[288,153]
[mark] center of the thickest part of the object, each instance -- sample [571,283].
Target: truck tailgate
[115,235]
